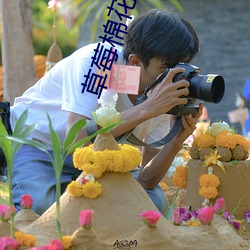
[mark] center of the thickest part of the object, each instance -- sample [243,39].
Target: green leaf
[5,144]
[56,147]
[24,134]
[172,207]
[85,140]
[71,136]
[35,144]
[20,123]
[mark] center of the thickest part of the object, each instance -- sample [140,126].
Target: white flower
[105,116]
[217,127]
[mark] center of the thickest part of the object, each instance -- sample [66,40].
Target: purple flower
[236,224]
[228,216]
[195,214]
[247,214]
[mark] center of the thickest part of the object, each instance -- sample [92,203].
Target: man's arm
[164,97]
[152,172]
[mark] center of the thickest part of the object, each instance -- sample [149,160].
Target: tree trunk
[17,47]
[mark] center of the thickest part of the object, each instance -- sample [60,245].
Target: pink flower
[176,217]
[55,245]
[86,218]
[150,217]
[219,206]
[26,201]
[8,243]
[54,4]
[206,215]
[5,212]
[84,180]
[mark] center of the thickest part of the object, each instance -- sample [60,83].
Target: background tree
[17,48]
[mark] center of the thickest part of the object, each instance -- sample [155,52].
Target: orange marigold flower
[209,180]
[206,141]
[67,242]
[24,239]
[226,139]
[208,192]
[242,141]
[164,186]
[195,141]
[180,177]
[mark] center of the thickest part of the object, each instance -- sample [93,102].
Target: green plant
[9,149]
[97,10]
[60,152]
[42,19]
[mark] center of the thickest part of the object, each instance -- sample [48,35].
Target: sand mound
[234,185]
[117,223]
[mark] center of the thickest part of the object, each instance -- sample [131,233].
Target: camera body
[209,88]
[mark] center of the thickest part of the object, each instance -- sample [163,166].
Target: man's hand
[167,94]
[188,125]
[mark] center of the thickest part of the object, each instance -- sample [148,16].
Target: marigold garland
[226,139]
[208,186]
[98,162]
[209,180]
[208,192]
[180,177]
[24,239]
[95,163]
[206,141]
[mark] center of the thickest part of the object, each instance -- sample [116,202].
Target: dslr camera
[209,88]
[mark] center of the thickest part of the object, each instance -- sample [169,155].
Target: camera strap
[131,138]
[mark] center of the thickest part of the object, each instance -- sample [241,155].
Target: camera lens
[209,88]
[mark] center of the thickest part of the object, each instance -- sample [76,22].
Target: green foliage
[42,19]
[98,11]
[4,196]
[60,152]
[9,149]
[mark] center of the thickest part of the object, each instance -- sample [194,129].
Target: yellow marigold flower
[131,157]
[75,189]
[97,162]
[92,189]
[180,177]
[208,192]
[83,156]
[67,242]
[226,140]
[93,169]
[206,141]
[193,223]
[164,186]
[27,240]
[209,180]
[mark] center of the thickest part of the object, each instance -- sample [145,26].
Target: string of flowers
[208,186]
[179,178]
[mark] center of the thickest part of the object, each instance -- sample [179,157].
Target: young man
[154,41]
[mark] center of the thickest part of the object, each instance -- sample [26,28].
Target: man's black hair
[162,34]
